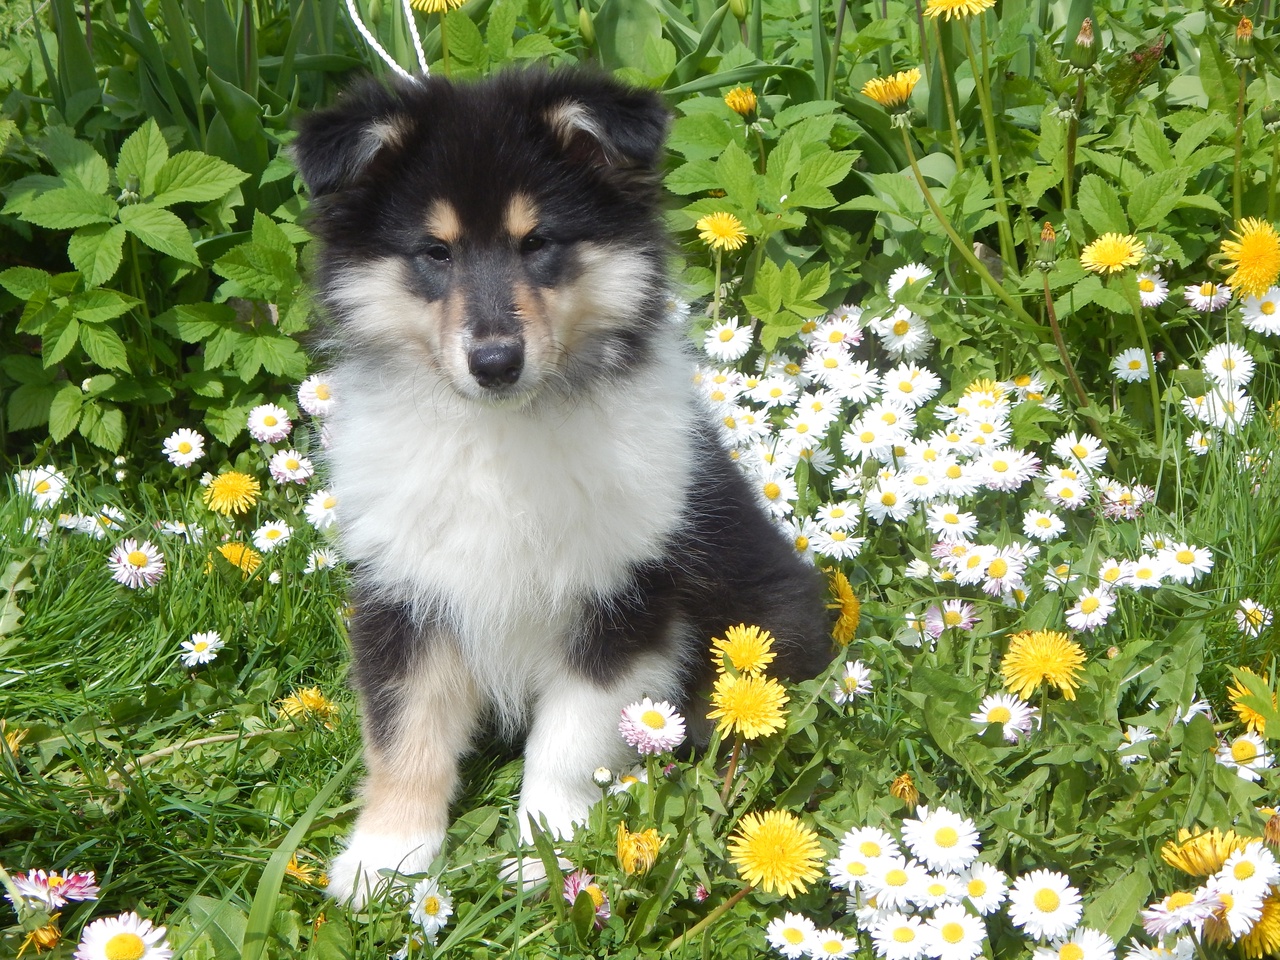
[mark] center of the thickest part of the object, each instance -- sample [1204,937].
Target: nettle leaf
[96,251]
[271,235]
[104,347]
[1100,206]
[76,161]
[103,426]
[59,336]
[142,156]
[160,230]
[64,411]
[692,177]
[66,208]
[1155,197]
[25,282]
[99,306]
[194,322]
[192,176]
[738,176]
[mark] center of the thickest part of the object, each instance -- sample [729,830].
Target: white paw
[528,873]
[354,877]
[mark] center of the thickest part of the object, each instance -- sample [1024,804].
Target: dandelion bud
[1244,40]
[1158,750]
[1047,255]
[742,101]
[904,789]
[586,27]
[602,778]
[1271,832]
[740,9]
[1083,53]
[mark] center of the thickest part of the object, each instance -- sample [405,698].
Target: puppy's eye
[437,252]
[532,243]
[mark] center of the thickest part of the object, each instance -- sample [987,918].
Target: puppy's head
[505,234]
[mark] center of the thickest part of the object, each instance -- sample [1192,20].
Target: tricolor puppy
[542,522]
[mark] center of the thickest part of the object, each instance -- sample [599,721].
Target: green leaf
[59,337]
[76,161]
[1155,197]
[103,426]
[827,169]
[534,46]
[104,347]
[160,230]
[25,282]
[96,251]
[500,29]
[194,322]
[272,351]
[1151,145]
[267,233]
[64,412]
[99,306]
[768,287]
[692,177]
[142,156]
[465,41]
[66,208]
[194,177]
[29,405]
[737,176]
[261,271]
[1100,206]
[223,922]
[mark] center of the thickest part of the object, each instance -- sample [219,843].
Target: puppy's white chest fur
[505,521]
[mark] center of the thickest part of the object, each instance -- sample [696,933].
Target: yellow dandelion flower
[748,649]
[904,788]
[435,6]
[1264,939]
[850,607]
[309,704]
[1254,256]
[241,555]
[637,852]
[748,705]
[1112,252]
[1036,656]
[305,873]
[1201,854]
[12,738]
[43,939]
[1251,718]
[721,231]
[231,492]
[892,92]
[742,101]
[776,852]
[957,8]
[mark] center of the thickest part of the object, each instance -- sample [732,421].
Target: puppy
[542,522]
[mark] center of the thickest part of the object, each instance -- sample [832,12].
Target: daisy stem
[1073,134]
[1157,421]
[698,928]
[965,250]
[989,126]
[835,49]
[652,772]
[730,770]
[715,309]
[1237,175]
[1275,181]
[956,149]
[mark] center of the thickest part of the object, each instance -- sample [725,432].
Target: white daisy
[897,936]
[1228,364]
[1262,314]
[1042,526]
[127,935]
[44,485]
[910,385]
[1246,754]
[1044,904]
[957,478]
[1114,574]
[838,516]
[184,447]
[1251,617]
[269,423]
[904,335]
[1184,563]
[270,535]
[1131,366]
[888,500]
[1005,470]
[941,838]
[1084,450]
[1069,494]
[801,531]
[1091,610]
[1178,910]
[651,728]
[952,933]
[1237,909]
[201,648]
[855,683]
[947,521]
[1015,715]
[985,887]
[136,564]
[1152,288]
[1208,296]
[1228,408]
[1147,573]
[908,273]
[289,466]
[431,906]
[837,544]
[1251,868]
[1199,442]
[894,881]
[1083,944]
[728,341]
[790,934]
[320,509]
[315,395]
[775,391]
[843,328]
[832,943]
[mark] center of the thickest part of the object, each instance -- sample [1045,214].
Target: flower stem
[1275,181]
[1237,176]
[956,149]
[1156,417]
[444,45]
[1073,134]
[835,51]
[698,928]
[1062,346]
[730,770]
[715,309]
[993,152]
[965,250]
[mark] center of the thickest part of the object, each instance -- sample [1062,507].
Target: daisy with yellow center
[1042,656]
[776,852]
[959,9]
[742,101]
[1254,256]
[231,492]
[309,704]
[721,231]
[637,852]
[892,92]
[749,706]
[745,648]
[125,937]
[850,607]
[1112,252]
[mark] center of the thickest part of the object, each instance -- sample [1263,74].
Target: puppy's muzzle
[496,364]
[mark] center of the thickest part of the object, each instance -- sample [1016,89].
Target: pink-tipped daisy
[269,423]
[650,727]
[289,466]
[136,564]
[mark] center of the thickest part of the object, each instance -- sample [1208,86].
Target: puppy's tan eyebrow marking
[443,223]
[522,216]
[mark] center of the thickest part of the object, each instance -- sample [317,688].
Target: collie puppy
[542,522]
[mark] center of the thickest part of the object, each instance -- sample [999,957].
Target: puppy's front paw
[355,879]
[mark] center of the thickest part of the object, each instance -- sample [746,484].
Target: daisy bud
[1083,53]
[1244,40]
[585,27]
[1113,652]
[602,778]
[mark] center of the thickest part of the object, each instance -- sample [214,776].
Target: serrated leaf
[1100,206]
[227,423]
[261,271]
[104,347]
[59,337]
[195,177]
[29,405]
[826,168]
[275,353]
[25,282]
[1151,145]
[96,251]
[103,426]
[160,230]
[193,322]
[1155,197]
[99,306]
[768,286]
[737,176]
[64,412]
[692,177]
[75,160]
[814,283]
[142,156]
[267,233]
[465,41]
[534,46]
[66,208]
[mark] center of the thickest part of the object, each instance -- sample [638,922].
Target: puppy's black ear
[337,145]
[607,124]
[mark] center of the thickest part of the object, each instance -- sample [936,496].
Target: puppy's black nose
[496,364]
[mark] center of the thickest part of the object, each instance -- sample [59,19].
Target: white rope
[417,41]
[369,38]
